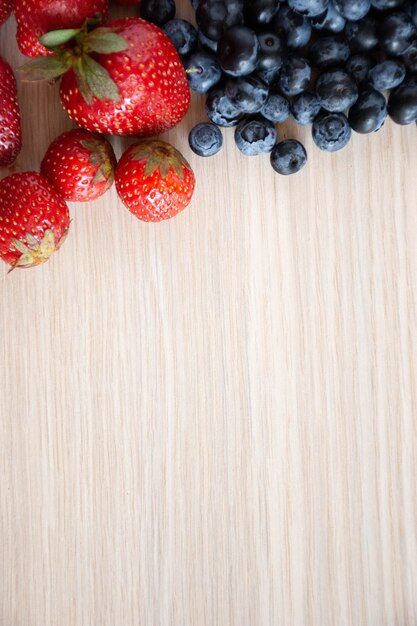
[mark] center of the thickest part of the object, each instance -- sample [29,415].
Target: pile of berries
[339,65]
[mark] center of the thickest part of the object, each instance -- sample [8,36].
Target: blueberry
[158,12]
[183,35]
[336,90]
[269,77]
[276,109]
[247,93]
[255,135]
[402,103]
[262,11]
[352,9]
[309,8]
[305,107]
[331,131]
[331,20]
[396,33]
[207,43]
[295,75]
[386,5]
[214,17]
[328,51]
[295,28]
[359,65]
[288,157]
[238,51]
[362,35]
[386,75]
[368,113]
[220,110]
[271,54]
[194,4]
[203,71]
[205,139]
[409,58]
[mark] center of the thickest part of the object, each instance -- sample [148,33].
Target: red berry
[10,129]
[6,7]
[34,220]
[154,180]
[79,165]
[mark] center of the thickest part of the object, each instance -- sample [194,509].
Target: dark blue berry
[207,43]
[157,11]
[402,103]
[386,5]
[305,107]
[368,113]
[396,33]
[203,71]
[214,17]
[358,65]
[409,58]
[247,93]
[336,90]
[183,35]
[294,27]
[288,157]
[255,135]
[295,75]
[238,51]
[262,11]
[205,139]
[352,9]
[328,51]
[331,20]
[269,77]
[271,53]
[362,35]
[309,8]
[276,109]
[386,75]
[220,110]
[331,131]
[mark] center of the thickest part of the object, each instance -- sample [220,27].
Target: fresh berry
[386,5]
[331,20]
[248,94]
[276,108]
[336,90]
[135,85]
[79,165]
[305,107]
[271,53]
[402,103]
[295,75]
[368,113]
[255,135]
[220,109]
[328,51]
[6,7]
[358,65]
[158,12]
[386,75]
[352,9]
[238,51]
[362,35]
[206,43]
[203,71]
[34,220]
[37,17]
[183,36]
[331,131]
[288,157]
[214,17]
[262,11]
[409,58]
[10,129]
[154,181]
[205,139]
[396,33]
[293,27]
[309,8]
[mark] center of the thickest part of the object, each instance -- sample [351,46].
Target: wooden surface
[212,421]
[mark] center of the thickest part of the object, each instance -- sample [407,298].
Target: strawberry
[37,17]
[154,180]
[6,7]
[34,220]
[123,79]
[79,165]
[10,129]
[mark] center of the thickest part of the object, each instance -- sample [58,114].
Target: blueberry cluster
[339,65]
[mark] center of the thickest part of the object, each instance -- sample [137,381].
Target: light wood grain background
[213,421]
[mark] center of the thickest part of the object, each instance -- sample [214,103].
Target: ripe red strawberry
[154,180]
[6,7]
[123,79]
[10,129]
[34,220]
[37,17]
[79,165]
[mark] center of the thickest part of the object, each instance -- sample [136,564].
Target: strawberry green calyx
[35,252]
[100,156]
[72,49]
[158,154]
